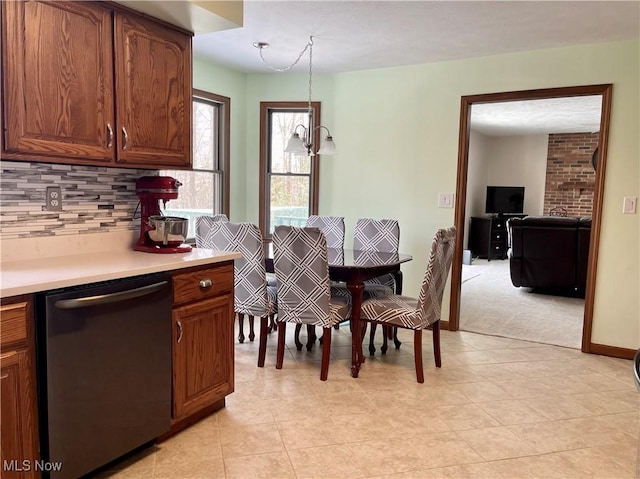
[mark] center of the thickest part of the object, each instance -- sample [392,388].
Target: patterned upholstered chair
[331,226]
[252,296]
[423,312]
[204,221]
[333,229]
[302,271]
[383,236]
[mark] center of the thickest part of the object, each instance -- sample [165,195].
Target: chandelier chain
[310,45]
[297,60]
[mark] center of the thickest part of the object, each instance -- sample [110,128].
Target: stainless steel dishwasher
[104,370]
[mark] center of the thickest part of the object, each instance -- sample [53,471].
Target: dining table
[354,267]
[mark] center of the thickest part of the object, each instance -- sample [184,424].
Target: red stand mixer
[159,233]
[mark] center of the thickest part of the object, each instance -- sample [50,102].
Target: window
[205,188]
[288,183]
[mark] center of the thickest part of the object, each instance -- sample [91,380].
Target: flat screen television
[505,200]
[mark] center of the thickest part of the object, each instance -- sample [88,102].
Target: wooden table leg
[356,334]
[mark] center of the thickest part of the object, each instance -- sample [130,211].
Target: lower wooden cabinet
[19,433]
[203,347]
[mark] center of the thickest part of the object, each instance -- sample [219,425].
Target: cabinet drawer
[497,225]
[13,322]
[202,283]
[498,237]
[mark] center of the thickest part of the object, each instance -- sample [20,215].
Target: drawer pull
[179,331]
[205,283]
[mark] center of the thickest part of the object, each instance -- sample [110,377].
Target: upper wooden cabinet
[153,93]
[58,79]
[86,84]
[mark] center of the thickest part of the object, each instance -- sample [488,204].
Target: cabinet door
[203,354]
[18,451]
[58,80]
[153,81]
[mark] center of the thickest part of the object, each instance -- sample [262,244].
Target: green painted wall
[222,81]
[396,131]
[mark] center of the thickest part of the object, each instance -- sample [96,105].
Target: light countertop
[32,275]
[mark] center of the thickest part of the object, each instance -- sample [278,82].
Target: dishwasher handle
[110,298]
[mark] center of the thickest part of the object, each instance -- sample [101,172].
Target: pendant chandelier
[303,145]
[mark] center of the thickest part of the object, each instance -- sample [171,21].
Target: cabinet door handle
[109,135]
[125,138]
[179,330]
[205,283]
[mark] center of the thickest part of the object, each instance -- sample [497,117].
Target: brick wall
[570,178]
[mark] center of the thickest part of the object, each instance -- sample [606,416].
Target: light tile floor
[498,408]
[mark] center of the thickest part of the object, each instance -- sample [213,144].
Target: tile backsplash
[94,199]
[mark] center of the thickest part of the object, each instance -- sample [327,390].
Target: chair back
[331,226]
[302,272]
[203,226]
[435,277]
[376,235]
[250,283]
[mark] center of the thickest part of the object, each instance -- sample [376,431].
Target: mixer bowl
[167,231]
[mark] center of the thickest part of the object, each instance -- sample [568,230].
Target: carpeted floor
[491,305]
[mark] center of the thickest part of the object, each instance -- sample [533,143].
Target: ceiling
[534,117]
[354,35]
[359,35]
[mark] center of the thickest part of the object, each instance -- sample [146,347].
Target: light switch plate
[630,205]
[445,200]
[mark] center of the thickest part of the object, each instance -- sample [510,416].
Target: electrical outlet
[630,205]
[445,200]
[54,198]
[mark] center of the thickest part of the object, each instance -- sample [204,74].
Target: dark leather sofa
[549,252]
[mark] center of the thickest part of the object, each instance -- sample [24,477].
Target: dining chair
[203,226]
[252,296]
[304,294]
[423,312]
[331,226]
[379,236]
[334,231]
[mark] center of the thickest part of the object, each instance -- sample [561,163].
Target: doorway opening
[461,213]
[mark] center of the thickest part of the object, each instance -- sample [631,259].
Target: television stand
[488,237]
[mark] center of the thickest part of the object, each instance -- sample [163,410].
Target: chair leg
[296,337]
[436,343]
[262,350]
[396,341]
[252,334]
[241,327]
[273,324]
[386,331]
[417,352]
[326,352]
[311,336]
[282,327]
[372,335]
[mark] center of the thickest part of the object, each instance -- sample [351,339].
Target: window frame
[266,108]
[224,141]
